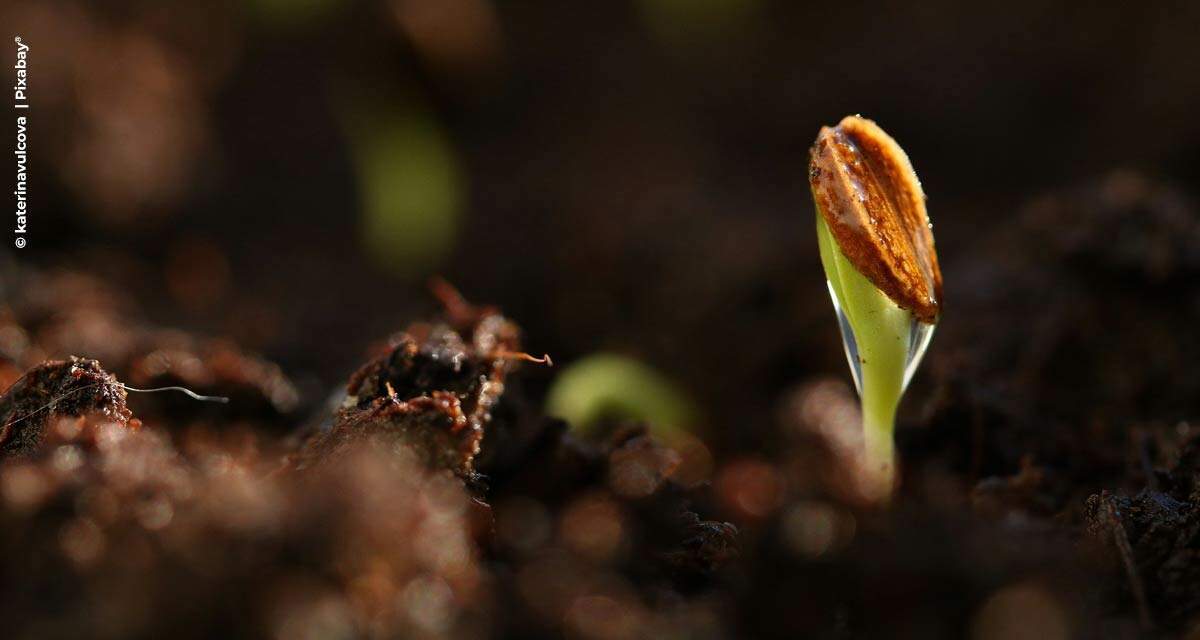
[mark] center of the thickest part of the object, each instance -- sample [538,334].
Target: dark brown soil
[1049,470]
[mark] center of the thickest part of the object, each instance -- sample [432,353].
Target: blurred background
[623,178]
[627,181]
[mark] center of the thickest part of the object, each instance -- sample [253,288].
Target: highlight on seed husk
[877,248]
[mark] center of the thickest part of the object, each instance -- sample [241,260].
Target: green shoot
[870,205]
[880,331]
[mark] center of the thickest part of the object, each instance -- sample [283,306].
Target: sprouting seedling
[878,253]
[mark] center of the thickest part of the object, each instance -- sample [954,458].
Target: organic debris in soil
[432,390]
[1154,542]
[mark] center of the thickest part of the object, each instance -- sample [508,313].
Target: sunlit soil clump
[432,503]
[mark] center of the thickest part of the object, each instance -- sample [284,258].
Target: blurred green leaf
[411,191]
[608,385]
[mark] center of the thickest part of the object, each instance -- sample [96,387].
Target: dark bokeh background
[629,178]
[617,176]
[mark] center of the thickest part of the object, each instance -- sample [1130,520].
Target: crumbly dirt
[52,391]
[1050,477]
[378,524]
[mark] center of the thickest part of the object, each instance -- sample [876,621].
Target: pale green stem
[882,333]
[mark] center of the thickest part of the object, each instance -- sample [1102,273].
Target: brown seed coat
[869,195]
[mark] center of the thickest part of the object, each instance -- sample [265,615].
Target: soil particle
[1155,535]
[706,546]
[433,425]
[432,390]
[56,389]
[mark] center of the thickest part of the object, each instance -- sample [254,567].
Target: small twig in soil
[1121,539]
